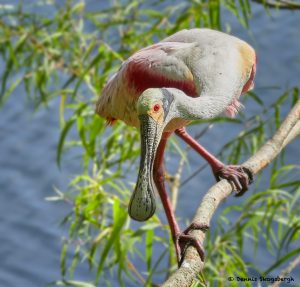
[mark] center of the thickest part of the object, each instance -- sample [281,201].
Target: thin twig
[136,272]
[176,183]
[192,265]
[176,179]
[279,4]
[287,270]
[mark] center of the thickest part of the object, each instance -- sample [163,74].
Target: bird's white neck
[203,107]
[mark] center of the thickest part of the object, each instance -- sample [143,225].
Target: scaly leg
[239,176]
[181,239]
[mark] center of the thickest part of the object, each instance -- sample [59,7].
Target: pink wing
[158,66]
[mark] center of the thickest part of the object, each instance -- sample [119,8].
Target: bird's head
[155,110]
[156,104]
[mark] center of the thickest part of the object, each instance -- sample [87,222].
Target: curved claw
[250,176]
[183,240]
[240,177]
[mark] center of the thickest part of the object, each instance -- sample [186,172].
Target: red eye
[156,107]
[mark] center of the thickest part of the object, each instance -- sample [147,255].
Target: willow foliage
[68,53]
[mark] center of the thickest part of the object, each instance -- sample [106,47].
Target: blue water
[30,234]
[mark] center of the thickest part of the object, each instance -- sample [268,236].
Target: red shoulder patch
[141,79]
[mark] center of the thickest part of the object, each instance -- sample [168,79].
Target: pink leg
[180,239]
[239,176]
[159,179]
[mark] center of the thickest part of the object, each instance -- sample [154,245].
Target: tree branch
[279,4]
[287,270]
[192,265]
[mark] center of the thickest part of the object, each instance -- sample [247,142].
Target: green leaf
[10,90]
[61,140]
[120,217]
[282,260]
[63,259]
[255,98]
[148,242]
[214,14]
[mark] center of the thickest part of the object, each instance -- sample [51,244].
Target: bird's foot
[184,239]
[239,177]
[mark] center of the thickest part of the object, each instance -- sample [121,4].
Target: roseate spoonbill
[193,74]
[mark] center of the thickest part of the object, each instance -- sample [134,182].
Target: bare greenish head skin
[148,99]
[150,104]
[157,103]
